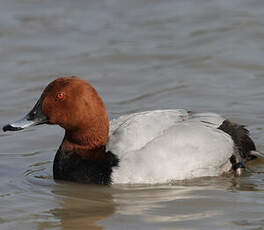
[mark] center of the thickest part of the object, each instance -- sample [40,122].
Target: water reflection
[61,205]
[81,207]
[183,203]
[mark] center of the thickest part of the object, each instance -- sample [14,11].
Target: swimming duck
[147,147]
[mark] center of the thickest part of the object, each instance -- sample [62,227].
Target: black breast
[71,167]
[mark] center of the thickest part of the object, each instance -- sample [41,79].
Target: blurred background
[201,55]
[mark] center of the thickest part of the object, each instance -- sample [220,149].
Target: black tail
[240,136]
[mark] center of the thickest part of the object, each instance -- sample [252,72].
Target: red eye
[60,95]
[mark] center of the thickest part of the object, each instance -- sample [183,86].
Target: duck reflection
[82,206]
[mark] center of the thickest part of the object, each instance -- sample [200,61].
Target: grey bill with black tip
[34,117]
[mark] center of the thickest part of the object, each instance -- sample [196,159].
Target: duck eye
[60,95]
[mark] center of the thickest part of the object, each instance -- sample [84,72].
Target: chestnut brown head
[71,103]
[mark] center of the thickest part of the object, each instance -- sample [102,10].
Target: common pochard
[148,147]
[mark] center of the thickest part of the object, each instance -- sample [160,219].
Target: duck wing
[132,132]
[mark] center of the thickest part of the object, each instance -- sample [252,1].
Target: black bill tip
[9,127]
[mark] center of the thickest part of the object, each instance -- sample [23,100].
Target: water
[196,54]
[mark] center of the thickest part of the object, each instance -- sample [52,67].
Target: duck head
[73,104]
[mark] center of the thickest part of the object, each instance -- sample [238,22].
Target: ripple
[153,93]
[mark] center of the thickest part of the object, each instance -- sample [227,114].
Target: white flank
[165,145]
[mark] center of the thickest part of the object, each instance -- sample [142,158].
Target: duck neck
[87,143]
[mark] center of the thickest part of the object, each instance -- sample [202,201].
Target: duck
[150,147]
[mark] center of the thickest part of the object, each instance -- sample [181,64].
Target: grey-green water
[196,54]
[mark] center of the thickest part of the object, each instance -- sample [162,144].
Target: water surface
[140,55]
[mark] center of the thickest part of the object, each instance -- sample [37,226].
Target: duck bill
[33,118]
